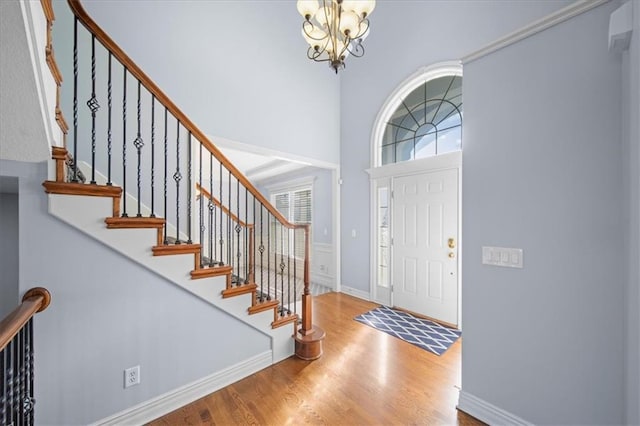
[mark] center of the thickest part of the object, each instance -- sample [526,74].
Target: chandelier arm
[358,50]
[305,25]
[362,32]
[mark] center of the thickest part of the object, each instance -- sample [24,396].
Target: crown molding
[555,18]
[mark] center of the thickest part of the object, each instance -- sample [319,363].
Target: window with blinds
[295,206]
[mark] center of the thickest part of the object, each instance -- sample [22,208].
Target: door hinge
[391,240]
[392,193]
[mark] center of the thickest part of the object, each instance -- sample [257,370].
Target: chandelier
[335,29]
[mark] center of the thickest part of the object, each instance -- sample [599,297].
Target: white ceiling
[257,167]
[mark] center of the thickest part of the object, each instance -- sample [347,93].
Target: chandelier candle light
[335,29]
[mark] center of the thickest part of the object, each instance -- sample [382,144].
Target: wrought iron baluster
[189,190]
[177,177]
[166,241]
[212,214]
[238,229]
[3,388]
[268,255]
[93,106]
[30,377]
[124,143]
[109,106]
[261,250]
[246,234]
[229,239]
[282,266]
[201,211]
[138,143]
[153,154]
[75,101]
[289,271]
[221,223]
[12,384]
[295,269]
[22,374]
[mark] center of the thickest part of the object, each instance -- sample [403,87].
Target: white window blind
[295,206]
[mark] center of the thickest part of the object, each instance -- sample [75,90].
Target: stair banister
[16,359]
[308,338]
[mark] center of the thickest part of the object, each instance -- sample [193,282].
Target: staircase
[137,174]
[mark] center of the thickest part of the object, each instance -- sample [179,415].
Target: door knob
[452,243]
[452,255]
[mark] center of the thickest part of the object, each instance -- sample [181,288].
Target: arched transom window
[427,122]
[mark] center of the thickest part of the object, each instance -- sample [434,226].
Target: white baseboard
[355,292]
[172,400]
[488,413]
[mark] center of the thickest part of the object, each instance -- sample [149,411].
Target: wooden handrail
[118,53]
[215,201]
[35,300]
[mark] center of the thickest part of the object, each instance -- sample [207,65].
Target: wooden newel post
[308,337]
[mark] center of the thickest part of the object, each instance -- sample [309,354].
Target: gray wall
[322,199]
[108,314]
[237,69]
[631,139]
[542,171]
[8,253]
[405,35]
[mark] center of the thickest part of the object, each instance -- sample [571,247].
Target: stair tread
[166,249]
[213,271]
[73,188]
[287,319]
[238,290]
[134,222]
[263,306]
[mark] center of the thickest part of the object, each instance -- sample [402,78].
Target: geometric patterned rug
[417,331]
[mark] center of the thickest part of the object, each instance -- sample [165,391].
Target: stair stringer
[87,214]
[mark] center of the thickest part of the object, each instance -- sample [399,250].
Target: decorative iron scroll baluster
[138,143]
[124,143]
[109,183]
[229,239]
[269,256]
[261,250]
[166,241]
[16,381]
[288,231]
[238,229]
[212,227]
[189,190]
[153,154]
[75,101]
[201,210]
[3,389]
[177,177]
[282,266]
[93,106]
[10,383]
[221,230]
[29,404]
[295,268]
[246,240]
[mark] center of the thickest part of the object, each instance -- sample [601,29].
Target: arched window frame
[394,100]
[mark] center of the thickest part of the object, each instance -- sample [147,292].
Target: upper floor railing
[16,359]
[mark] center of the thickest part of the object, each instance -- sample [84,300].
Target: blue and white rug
[420,332]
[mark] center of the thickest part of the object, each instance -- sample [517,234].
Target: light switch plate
[502,256]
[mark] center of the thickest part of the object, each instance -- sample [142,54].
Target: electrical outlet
[132,376]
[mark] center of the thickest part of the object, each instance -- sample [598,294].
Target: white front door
[425,244]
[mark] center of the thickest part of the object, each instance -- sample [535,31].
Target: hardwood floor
[364,377]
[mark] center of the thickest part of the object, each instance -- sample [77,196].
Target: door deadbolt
[452,243]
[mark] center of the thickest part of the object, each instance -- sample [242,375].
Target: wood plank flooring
[365,377]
